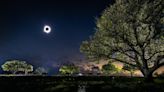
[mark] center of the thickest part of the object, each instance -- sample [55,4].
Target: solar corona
[47,29]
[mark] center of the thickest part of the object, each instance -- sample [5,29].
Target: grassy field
[74,83]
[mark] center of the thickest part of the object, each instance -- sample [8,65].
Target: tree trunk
[148,75]
[26,72]
[131,74]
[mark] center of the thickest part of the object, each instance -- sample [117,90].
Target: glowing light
[47,29]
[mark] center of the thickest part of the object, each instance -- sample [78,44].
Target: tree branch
[131,46]
[154,55]
[135,33]
[157,64]
[156,67]
[148,38]
[125,52]
[128,55]
[122,61]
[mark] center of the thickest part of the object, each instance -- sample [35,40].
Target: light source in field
[47,29]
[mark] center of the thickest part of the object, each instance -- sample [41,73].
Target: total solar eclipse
[47,29]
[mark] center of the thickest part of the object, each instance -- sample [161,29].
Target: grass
[71,84]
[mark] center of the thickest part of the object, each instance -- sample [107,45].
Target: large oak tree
[132,32]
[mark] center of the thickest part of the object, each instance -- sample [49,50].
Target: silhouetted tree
[41,71]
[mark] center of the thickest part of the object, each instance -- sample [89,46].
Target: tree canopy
[129,68]
[68,69]
[131,32]
[15,66]
[109,68]
[40,71]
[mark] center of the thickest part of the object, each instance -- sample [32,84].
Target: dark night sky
[22,22]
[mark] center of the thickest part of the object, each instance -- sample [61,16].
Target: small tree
[27,68]
[15,66]
[41,71]
[109,68]
[68,69]
[129,68]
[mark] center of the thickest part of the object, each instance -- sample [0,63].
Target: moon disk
[47,29]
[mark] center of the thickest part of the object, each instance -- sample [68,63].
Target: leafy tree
[40,71]
[129,68]
[132,32]
[109,68]
[15,66]
[68,69]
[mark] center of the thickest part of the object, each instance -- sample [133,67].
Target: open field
[74,83]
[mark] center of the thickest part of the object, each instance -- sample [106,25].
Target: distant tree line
[24,68]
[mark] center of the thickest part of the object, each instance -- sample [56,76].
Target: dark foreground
[78,84]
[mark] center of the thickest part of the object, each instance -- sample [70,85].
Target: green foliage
[17,66]
[40,71]
[109,68]
[130,31]
[68,69]
[129,68]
